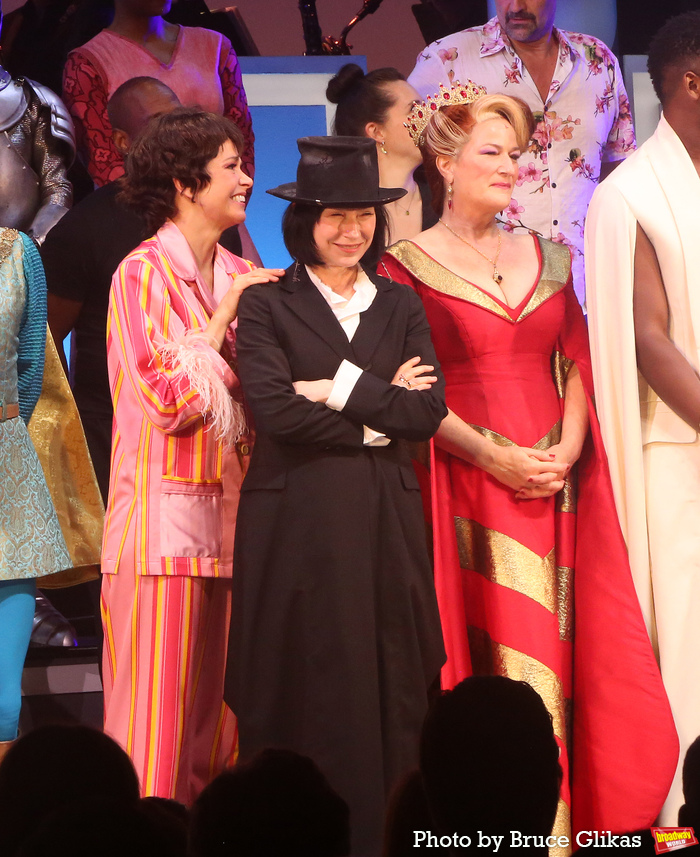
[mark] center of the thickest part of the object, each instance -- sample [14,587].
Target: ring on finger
[405,380]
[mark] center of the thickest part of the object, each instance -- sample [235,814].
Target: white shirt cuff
[343,384]
[374,438]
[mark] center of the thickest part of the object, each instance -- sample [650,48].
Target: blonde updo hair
[449,129]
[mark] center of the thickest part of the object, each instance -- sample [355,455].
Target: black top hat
[340,171]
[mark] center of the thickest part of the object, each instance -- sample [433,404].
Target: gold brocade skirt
[57,434]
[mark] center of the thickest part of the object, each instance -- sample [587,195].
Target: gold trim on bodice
[556,265]
[552,437]
[435,275]
[556,268]
[7,239]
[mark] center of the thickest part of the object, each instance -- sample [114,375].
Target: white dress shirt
[348,314]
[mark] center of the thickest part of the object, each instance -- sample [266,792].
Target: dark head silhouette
[490,761]
[278,804]
[689,813]
[87,764]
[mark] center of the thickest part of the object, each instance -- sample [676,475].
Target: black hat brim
[288,191]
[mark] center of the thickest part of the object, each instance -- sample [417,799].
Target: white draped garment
[654,455]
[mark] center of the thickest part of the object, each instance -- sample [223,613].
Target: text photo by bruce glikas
[583,839]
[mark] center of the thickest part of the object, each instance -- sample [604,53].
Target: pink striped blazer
[174,486]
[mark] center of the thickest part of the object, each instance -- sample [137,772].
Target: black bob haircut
[676,44]
[298,232]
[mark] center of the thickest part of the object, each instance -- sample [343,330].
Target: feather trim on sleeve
[188,354]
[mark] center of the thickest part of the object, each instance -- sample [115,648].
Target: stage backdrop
[287,98]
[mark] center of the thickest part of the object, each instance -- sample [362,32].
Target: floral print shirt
[584,123]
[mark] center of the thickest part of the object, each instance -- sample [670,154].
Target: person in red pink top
[199,65]
[573,85]
[178,456]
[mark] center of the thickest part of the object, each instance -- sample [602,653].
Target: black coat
[335,634]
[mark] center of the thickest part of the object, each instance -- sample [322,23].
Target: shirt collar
[365,291]
[180,256]
[493,39]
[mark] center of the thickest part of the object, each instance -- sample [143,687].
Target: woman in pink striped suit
[179,453]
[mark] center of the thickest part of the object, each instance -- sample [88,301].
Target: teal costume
[31,543]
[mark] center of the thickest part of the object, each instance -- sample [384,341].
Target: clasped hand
[531,473]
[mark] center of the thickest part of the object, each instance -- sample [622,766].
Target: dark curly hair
[361,98]
[675,45]
[176,145]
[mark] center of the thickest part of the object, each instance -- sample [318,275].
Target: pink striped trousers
[163,673]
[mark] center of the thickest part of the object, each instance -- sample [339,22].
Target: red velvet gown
[504,568]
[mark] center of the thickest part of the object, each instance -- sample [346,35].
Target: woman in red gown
[516,545]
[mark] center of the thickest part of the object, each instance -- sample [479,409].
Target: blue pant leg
[16,614]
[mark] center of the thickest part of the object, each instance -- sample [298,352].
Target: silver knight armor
[37,145]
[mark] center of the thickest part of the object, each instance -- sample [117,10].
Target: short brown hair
[176,145]
[450,128]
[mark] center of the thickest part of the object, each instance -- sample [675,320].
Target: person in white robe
[643,275]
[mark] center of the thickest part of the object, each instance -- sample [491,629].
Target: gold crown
[419,117]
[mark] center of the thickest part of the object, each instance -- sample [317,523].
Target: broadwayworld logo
[672,838]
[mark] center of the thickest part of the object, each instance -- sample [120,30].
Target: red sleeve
[573,339]
[85,95]
[236,103]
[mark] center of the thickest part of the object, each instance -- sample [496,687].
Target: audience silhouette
[689,813]
[490,763]
[101,828]
[87,764]
[407,813]
[278,804]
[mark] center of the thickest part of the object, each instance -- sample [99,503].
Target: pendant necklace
[496,277]
[407,211]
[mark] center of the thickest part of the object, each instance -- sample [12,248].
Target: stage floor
[62,684]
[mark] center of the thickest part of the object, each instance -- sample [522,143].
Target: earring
[383,148]
[450,191]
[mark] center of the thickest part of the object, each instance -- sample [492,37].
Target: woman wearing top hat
[335,635]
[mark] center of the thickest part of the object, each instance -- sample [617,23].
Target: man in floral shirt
[573,85]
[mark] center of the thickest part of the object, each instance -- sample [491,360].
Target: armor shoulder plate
[13,104]
[62,127]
